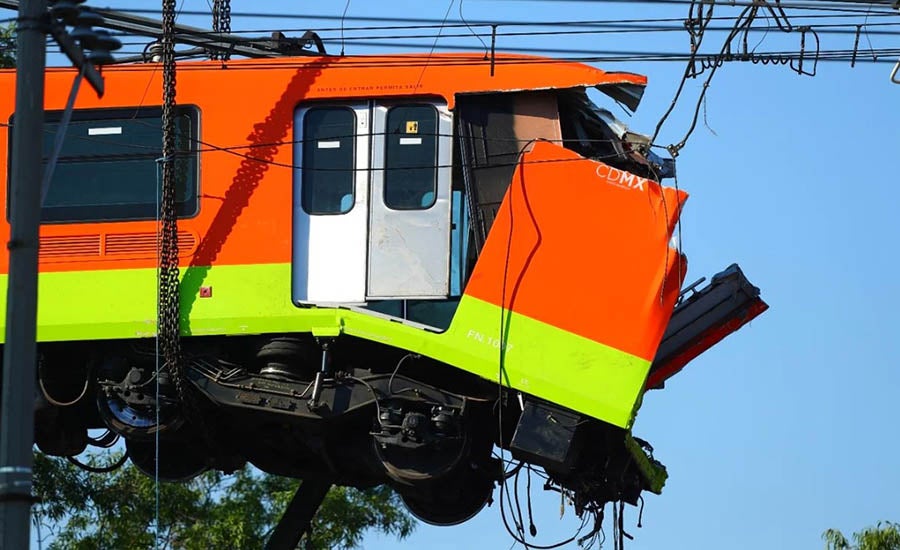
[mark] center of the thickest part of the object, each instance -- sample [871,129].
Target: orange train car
[388,267]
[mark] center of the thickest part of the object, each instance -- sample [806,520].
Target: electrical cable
[623,24]
[518,519]
[472,31]
[530,57]
[57,403]
[105,441]
[390,388]
[518,535]
[696,41]
[831,8]
[436,38]
[100,469]
[343,16]
[818,5]
[531,527]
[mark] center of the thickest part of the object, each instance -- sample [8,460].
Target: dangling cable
[641,513]
[105,441]
[505,312]
[475,34]
[615,525]
[531,527]
[100,469]
[343,15]
[622,532]
[434,44]
[518,519]
[157,366]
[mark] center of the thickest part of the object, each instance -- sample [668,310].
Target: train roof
[445,75]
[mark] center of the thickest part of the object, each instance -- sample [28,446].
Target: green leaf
[884,536]
[118,510]
[7,46]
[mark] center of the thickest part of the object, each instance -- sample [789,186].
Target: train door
[410,206]
[330,204]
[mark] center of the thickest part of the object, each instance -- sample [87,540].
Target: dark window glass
[328,160]
[107,168]
[583,129]
[410,176]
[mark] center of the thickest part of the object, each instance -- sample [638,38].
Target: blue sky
[786,428]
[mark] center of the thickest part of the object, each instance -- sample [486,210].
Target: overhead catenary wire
[390,40]
[619,26]
[876,56]
[816,6]
[843,27]
[848,28]
[650,23]
[798,5]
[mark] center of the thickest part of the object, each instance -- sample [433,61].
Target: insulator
[84,27]
[102,44]
[67,10]
[153,52]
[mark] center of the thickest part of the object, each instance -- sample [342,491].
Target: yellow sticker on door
[412,126]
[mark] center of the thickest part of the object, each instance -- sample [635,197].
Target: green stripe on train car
[537,358]
[552,363]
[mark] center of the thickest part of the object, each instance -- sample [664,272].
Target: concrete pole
[19,353]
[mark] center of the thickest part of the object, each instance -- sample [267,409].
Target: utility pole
[19,352]
[24,200]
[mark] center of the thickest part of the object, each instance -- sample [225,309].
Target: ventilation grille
[62,247]
[144,244]
[112,246]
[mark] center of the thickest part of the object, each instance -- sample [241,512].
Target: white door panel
[330,223]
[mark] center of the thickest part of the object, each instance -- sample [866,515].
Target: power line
[817,6]
[599,27]
[579,56]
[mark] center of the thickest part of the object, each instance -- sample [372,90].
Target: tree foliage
[7,46]
[885,535]
[117,510]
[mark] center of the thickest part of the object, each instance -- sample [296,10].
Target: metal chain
[221,12]
[216,9]
[225,27]
[169,329]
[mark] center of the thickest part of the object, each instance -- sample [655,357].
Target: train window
[410,177]
[107,168]
[328,160]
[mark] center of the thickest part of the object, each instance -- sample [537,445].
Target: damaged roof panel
[628,94]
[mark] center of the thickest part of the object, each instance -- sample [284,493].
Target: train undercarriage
[348,411]
[344,410]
